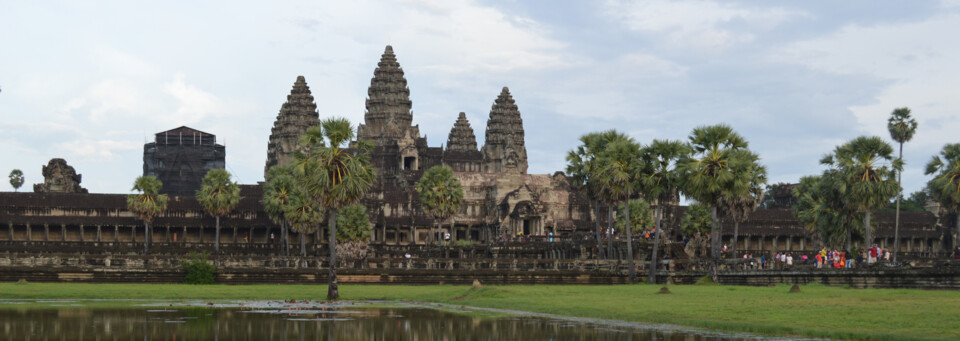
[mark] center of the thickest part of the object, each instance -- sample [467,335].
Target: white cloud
[700,24]
[95,150]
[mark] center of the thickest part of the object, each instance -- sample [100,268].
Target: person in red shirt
[873,254]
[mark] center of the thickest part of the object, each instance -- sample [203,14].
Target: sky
[91,82]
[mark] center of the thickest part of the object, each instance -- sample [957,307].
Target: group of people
[837,259]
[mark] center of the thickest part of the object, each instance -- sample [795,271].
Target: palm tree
[708,177]
[660,183]
[219,196]
[304,216]
[619,176]
[739,205]
[440,194]
[148,204]
[333,177]
[581,164]
[865,166]
[276,196]
[945,186]
[16,179]
[901,127]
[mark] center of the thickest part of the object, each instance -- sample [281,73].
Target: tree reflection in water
[348,323]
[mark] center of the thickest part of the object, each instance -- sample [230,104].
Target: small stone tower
[388,115]
[461,136]
[297,114]
[504,150]
[59,177]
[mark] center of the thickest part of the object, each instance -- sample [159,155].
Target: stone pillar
[746,242]
[789,243]
[775,246]
[10,230]
[183,236]
[250,239]
[803,243]
[63,232]
[29,233]
[81,232]
[166,236]
[99,237]
[200,240]
[909,245]
[234,234]
[46,232]
[762,241]
[116,233]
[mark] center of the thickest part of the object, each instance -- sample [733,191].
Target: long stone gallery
[535,228]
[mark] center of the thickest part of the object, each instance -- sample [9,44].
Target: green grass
[818,311]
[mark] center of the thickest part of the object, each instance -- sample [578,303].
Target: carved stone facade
[59,177]
[297,114]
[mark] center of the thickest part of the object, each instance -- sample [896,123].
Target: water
[274,320]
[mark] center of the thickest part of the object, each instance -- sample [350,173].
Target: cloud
[703,25]
[96,150]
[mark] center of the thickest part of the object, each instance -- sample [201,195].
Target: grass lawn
[818,311]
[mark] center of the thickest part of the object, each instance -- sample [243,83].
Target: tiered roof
[297,114]
[461,136]
[388,105]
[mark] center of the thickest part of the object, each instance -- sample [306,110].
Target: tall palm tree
[277,190]
[16,179]
[739,205]
[440,194]
[708,177]
[866,167]
[582,162]
[945,185]
[334,177]
[619,176]
[219,196]
[660,183]
[901,127]
[148,204]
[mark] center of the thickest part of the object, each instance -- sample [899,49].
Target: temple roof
[388,103]
[461,135]
[184,130]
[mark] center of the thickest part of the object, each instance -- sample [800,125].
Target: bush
[199,269]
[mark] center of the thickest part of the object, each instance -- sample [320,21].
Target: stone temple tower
[504,150]
[297,114]
[461,136]
[388,117]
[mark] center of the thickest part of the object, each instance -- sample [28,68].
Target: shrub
[199,269]
[463,243]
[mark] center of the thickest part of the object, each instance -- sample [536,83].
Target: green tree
[148,204]
[303,215]
[739,205]
[945,185]
[333,177]
[218,196]
[440,194]
[696,220]
[353,224]
[708,177]
[619,177]
[866,167]
[277,190]
[901,127]
[660,183]
[16,179]
[824,211]
[582,163]
[641,216]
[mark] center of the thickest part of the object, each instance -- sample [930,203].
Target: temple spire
[504,149]
[461,136]
[296,115]
[388,103]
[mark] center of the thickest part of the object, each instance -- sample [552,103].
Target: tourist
[872,256]
[272,239]
[819,259]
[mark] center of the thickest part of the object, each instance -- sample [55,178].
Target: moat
[277,320]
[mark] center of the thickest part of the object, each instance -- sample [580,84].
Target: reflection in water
[291,323]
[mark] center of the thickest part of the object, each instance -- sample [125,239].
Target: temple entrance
[410,163]
[526,226]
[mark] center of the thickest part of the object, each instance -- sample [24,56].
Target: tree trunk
[146,239]
[714,255]
[216,242]
[596,220]
[956,241]
[868,237]
[632,269]
[333,291]
[849,240]
[652,275]
[284,248]
[610,231]
[303,245]
[433,231]
[896,225]
[736,232]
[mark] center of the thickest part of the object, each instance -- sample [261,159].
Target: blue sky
[91,83]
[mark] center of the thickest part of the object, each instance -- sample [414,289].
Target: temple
[180,157]
[500,198]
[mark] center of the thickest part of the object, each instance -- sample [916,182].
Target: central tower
[388,117]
